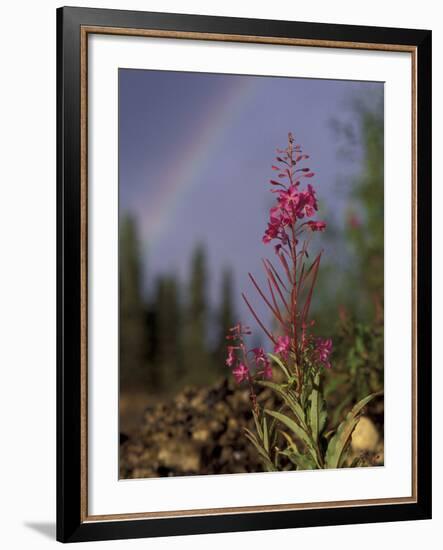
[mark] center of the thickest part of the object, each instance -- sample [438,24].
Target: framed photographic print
[244,274]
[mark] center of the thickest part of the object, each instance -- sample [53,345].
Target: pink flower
[283,345]
[271,232]
[231,356]
[241,372]
[289,199]
[261,360]
[292,203]
[278,220]
[309,203]
[323,351]
[260,355]
[316,226]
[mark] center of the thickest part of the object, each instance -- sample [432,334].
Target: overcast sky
[195,156]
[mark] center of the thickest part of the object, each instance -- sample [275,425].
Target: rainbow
[183,176]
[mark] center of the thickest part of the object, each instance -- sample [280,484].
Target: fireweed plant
[292,437]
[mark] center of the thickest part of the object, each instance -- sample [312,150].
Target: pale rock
[365,436]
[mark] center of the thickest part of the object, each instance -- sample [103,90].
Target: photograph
[217,277]
[244,239]
[251,273]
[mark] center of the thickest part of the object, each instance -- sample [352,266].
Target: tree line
[173,336]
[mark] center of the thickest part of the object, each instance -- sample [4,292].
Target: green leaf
[273,435]
[301,461]
[265,435]
[291,443]
[257,425]
[338,410]
[261,451]
[299,432]
[278,361]
[317,410]
[336,451]
[289,400]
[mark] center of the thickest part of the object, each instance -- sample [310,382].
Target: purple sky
[195,156]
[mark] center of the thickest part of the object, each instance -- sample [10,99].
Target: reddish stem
[265,330]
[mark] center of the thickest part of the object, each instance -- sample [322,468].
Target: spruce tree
[196,357]
[169,361]
[132,338]
[225,319]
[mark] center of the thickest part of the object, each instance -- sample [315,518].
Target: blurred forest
[356,308]
[173,340]
[164,341]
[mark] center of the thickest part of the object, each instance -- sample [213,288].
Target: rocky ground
[200,431]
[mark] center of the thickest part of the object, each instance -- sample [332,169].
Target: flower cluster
[282,346]
[246,364]
[290,433]
[318,349]
[289,293]
[293,204]
[323,351]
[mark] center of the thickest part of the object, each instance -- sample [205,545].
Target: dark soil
[200,431]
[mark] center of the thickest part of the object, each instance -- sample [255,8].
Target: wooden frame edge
[249,509]
[85,30]
[282,41]
[84,274]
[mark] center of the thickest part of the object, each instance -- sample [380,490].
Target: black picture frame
[71,524]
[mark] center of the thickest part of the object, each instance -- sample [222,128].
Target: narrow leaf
[297,430]
[279,363]
[265,435]
[285,265]
[257,425]
[275,312]
[317,410]
[274,301]
[291,443]
[276,285]
[338,444]
[289,400]
[270,265]
[267,463]
[307,305]
[264,329]
[301,461]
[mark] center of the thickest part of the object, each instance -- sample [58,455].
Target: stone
[365,437]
